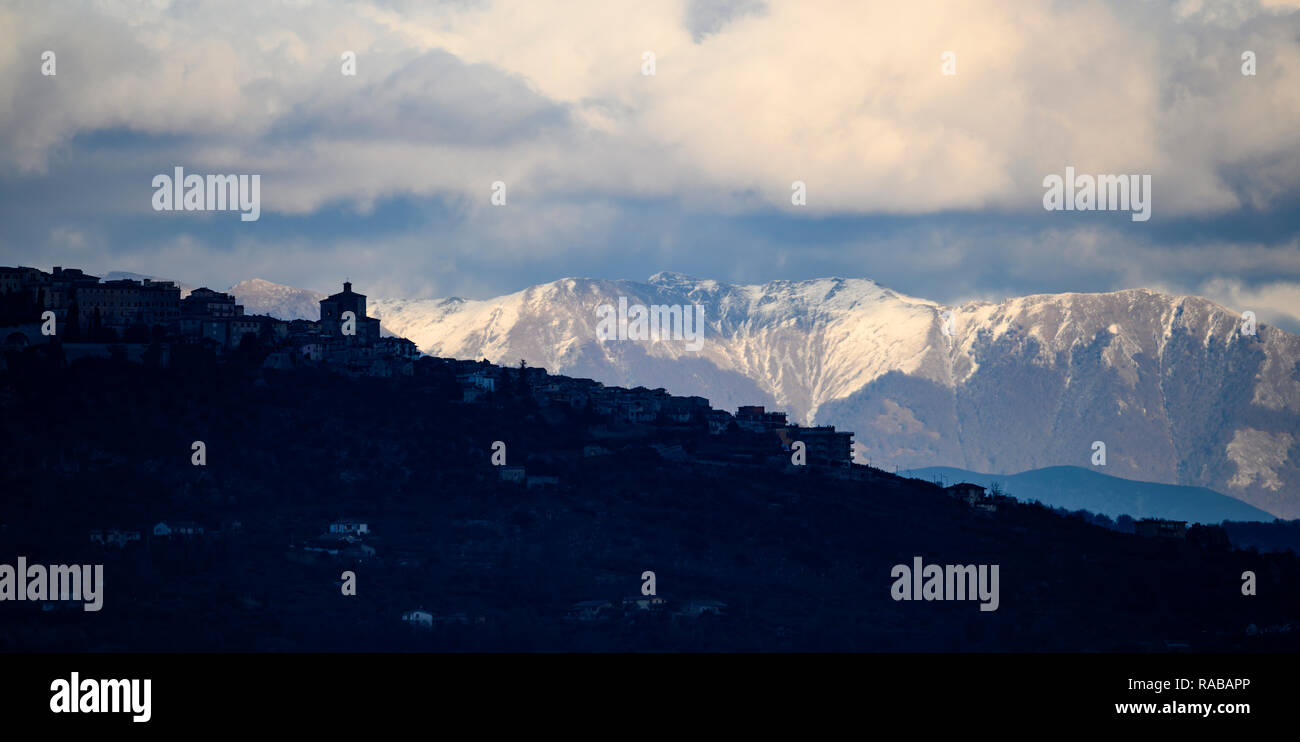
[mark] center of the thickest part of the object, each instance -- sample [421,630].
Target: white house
[114,537]
[476,383]
[542,481]
[590,610]
[349,526]
[697,608]
[178,528]
[419,617]
[644,602]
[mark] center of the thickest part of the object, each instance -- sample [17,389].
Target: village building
[64,285]
[512,474]
[418,618]
[822,445]
[684,409]
[702,607]
[122,303]
[476,384]
[644,603]
[205,303]
[542,482]
[93,314]
[1160,528]
[29,281]
[590,610]
[966,492]
[177,528]
[720,421]
[314,352]
[349,527]
[113,537]
[397,348]
[332,321]
[755,418]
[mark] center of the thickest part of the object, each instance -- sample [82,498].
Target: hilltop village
[146,320]
[296,487]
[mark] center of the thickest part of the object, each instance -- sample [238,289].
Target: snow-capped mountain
[792,345]
[285,302]
[1170,384]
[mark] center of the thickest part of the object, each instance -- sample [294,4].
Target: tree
[522,379]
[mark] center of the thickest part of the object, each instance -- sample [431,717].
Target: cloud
[1276,302]
[705,17]
[747,97]
[929,183]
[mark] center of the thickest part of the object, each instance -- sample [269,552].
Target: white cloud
[844,95]
[1271,302]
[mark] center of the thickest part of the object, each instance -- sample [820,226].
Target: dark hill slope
[801,559]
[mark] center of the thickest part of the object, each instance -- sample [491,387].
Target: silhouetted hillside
[800,556]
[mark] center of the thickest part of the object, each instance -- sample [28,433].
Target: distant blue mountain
[1075,488]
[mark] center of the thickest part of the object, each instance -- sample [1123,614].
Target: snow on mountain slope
[799,344]
[283,302]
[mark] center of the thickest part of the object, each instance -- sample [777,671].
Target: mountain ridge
[1169,383]
[1076,488]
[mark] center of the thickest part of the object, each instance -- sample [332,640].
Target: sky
[926,182]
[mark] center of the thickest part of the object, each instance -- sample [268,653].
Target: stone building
[333,323]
